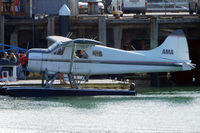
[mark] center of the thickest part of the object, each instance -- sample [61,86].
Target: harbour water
[156,111]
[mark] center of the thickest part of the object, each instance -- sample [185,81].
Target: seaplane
[90,57]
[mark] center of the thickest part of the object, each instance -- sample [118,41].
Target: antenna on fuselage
[27,47]
[94,38]
[69,34]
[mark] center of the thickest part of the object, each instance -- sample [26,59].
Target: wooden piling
[0,6]
[14,37]
[117,33]
[92,8]
[64,20]
[154,32]
[2,31]
[102,29]
[155,82]
[73,5]
[50,26]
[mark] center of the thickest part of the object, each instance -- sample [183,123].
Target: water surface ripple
[150,112]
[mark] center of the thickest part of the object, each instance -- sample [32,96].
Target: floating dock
[30,91]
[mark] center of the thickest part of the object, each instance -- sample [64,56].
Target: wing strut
[72,57]
[72,81]
[70,75]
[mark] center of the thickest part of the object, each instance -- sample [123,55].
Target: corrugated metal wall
[50,7]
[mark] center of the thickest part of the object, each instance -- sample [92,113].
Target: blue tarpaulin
[11,48]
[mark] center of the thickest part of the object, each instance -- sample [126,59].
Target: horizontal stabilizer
[188,66]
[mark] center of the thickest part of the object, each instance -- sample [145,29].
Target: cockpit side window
[59,51]
[81,54]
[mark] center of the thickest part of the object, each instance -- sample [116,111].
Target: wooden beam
[0,6]
[27,7]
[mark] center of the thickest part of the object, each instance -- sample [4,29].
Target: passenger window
[59,51]
[97,53]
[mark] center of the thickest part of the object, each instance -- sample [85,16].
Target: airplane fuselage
[88,57]
[101,60]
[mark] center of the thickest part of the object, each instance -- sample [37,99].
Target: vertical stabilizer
[174,47]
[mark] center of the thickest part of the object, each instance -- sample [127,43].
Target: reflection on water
[89,102]
[150,112]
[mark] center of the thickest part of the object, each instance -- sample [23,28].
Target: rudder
[174,47]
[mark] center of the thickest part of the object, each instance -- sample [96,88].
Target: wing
[58,39]
[82,43]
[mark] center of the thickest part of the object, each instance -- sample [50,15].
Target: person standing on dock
[17,5]
[5,5]
[6,56]
[13,58]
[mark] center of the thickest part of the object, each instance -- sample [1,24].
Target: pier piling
[64,20]
[73,6]
[2,23]
[92,8]
[117,33]
[153,44]
[102,29]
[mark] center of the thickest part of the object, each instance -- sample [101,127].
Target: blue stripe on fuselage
[174,64]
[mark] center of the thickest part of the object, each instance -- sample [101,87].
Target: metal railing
[167,5]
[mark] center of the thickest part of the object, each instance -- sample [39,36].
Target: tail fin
[175,47]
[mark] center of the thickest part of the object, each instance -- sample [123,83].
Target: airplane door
[55,60]
[82,64]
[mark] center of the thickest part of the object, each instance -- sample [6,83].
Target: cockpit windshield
[53,46]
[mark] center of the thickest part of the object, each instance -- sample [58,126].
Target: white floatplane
[89,57]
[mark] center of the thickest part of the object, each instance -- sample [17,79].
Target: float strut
[72,81]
